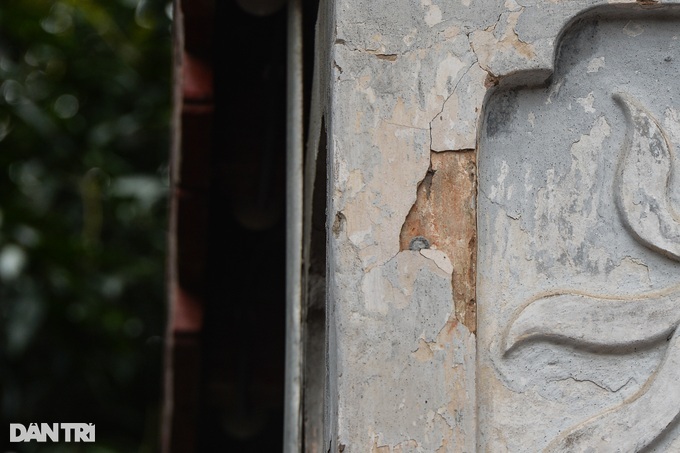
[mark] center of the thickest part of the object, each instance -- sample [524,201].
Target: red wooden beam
[192,143]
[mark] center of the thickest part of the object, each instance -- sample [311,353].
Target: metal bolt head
[418,243]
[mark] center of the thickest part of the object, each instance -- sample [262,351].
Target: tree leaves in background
[84,118]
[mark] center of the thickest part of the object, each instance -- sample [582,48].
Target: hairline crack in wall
[405,94]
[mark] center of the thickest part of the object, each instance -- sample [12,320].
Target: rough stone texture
[409,79]
[579,289]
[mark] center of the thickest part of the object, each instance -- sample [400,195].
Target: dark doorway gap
[243,337]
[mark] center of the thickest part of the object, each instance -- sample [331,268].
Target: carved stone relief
[579,231]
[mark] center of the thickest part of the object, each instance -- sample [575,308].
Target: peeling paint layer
[406,87]
[445,214]
[577,245]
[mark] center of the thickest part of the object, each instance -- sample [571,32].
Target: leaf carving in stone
[592,321]
[620,324]
[643,180]
[638,421]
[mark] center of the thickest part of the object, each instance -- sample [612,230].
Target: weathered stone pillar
[503,225]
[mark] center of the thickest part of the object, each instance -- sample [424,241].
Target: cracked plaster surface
[408,79]
[550,226]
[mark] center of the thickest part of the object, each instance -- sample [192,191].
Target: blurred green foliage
[84,129]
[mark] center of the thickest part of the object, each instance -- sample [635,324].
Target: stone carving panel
[579,233]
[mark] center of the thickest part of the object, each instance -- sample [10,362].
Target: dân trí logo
[55,432]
